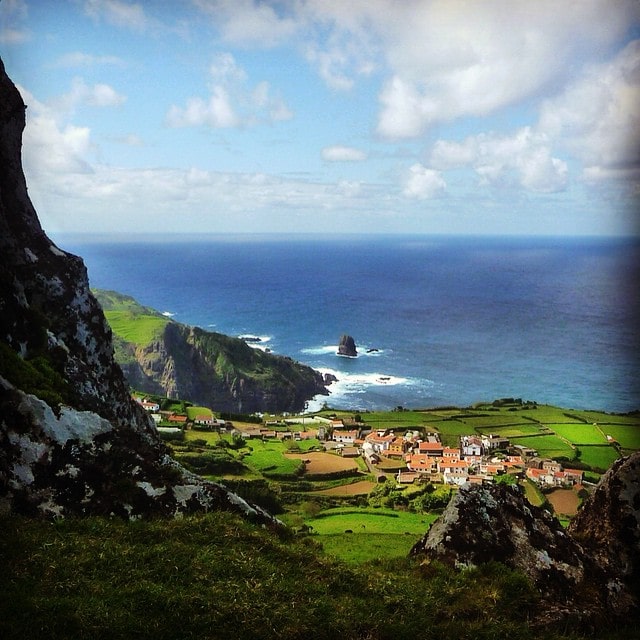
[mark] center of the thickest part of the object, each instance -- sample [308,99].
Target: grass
[627,435]
[267,458]
[547,446]
[579,433]
[194,412]
[382,521]
[217,577]
[359,548]
[598,457]
[376,533]
[534,495]
[137,329]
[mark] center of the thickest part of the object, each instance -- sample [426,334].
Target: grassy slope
[216,576]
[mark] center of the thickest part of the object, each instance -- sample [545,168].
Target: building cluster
[477,459]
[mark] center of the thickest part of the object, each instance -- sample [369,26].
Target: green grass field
[268,458]
[376,533]
[579,433]
[547,446]
[138,329]
[333,521]
[600,457]
[628,436]
[357,548]
[193,412]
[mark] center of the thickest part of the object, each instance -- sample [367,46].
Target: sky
[514,117]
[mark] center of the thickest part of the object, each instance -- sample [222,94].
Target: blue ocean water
[437,320]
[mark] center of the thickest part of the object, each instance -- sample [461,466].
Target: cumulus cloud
[249,21]
[50,147]
[423,183]
[597,116]
[95,95]
[231,103]
[339,153]
[523,158]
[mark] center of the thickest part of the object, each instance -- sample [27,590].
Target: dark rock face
[608,524]
[586,575]
[347,346]
[96,452]
[484,523]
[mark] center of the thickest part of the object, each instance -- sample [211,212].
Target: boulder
[587,576]
[347,347]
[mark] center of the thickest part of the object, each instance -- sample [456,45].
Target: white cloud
[423,183]
[249,22]
[217,112]
[12,14]
[80,59]
[339,153]
[597,116]
[50,148]
[118,13]
[523,158]
[96,95]
[231,102]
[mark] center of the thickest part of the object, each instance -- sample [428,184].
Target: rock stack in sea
[347,346]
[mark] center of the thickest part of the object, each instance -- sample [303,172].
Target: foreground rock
[72,441]
[347,347]
[585,576]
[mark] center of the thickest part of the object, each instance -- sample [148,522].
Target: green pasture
[376,533]
[599,457]
[579,433]
[358,548]
[547,414]
[607,418]
[138,329]
[547,446]
[193,412]
[493,420]
[268,458]
[627,435]
[511,431]
[210,437]
[383,521]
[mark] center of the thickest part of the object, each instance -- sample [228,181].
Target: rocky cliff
[588,575]
[208,368]
[71,439]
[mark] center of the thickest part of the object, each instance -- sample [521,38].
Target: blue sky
[329,116]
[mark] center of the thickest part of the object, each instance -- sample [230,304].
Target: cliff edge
[72,441]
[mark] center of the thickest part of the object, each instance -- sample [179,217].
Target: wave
[168,314]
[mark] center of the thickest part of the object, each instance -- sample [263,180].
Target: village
[415,456]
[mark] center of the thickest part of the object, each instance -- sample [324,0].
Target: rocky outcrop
[72,441]
[585,576]
[608,528]
[347,347]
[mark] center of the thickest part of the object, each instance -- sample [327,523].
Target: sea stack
[347,347]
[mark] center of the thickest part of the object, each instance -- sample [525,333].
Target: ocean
[436,320]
